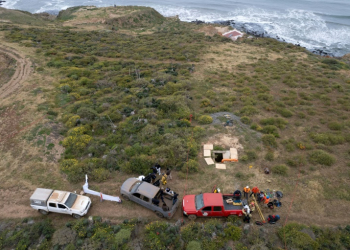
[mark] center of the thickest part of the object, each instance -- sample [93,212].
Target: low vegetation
[142,88]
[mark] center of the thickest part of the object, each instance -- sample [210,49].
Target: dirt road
[23,70]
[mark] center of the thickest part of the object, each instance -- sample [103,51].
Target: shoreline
[242,27]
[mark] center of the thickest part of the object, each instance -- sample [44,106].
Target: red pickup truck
[209,205]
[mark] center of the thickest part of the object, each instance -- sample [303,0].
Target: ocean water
[314,24]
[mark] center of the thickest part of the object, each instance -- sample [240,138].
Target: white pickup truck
[48,200]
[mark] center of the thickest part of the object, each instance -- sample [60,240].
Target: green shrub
[269,156]
[192,166]
[335,126]
[248,111]
[100,174]
[122,236]
[327,138]
[87,113]
[270,129]
[296,161]
[269,141]
[246,120]
[280,170]
[194,245]
[138,164]
[205,119]
[250,155]
[232,232]
[296,239]
[321,157]
[278,122]
[284,112]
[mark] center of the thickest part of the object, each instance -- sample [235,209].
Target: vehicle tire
[192,217]
[76,216]
[125,197]
[43,212]
[159,214]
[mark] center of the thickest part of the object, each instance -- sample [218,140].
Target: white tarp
[101,195]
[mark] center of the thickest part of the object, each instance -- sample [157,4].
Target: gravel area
[236,122]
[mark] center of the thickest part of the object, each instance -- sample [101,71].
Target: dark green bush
[270,129]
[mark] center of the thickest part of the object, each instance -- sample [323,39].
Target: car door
[140,199]
[217,211]
[206,211]
[63,209]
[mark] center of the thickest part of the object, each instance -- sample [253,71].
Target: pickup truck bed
[231,207]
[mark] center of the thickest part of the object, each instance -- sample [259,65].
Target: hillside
[110,91]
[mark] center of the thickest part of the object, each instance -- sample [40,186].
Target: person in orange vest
[255,192]
[266,200]
[246,191]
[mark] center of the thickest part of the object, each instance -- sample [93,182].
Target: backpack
[279,194]
[277,203]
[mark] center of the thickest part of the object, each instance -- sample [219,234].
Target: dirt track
[23,70]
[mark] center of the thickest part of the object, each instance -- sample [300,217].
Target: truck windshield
[71,199]
[134,187]
[199,201]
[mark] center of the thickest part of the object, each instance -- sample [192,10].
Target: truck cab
[209,205]
[56,201]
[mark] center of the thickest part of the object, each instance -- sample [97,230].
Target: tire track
[23,70]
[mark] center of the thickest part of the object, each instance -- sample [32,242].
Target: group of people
[260,197]
[168,191]
[156,169]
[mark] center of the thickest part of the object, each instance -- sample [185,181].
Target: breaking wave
[313,30]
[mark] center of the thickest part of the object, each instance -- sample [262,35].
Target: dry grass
[25,166]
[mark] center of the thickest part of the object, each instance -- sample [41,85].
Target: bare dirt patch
[23,70]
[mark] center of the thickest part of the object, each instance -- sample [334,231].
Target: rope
[290,206]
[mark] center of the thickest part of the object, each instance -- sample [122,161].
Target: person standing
[168,173]
[175,198]
[261,197]
[252,206]
[247,215]
[255,192]
[154,170]
[165,207]
[164,177]
[246,191]
[158,168]
[266,201]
